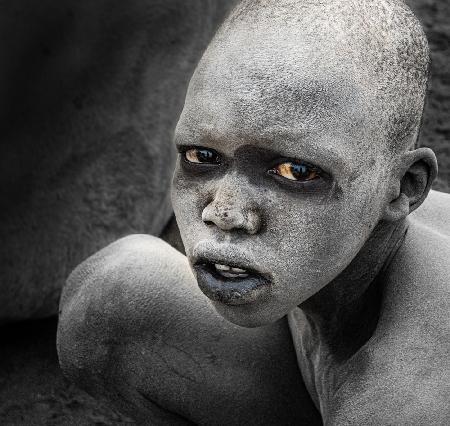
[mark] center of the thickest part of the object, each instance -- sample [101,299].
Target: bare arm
[135,329]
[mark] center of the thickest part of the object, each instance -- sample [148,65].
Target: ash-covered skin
[339,85]
[331,94]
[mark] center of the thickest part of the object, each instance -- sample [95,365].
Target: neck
[343,315]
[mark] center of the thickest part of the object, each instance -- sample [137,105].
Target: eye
[296,171]
[201,156]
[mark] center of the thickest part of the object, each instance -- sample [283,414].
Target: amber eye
[299,172]
[201,156]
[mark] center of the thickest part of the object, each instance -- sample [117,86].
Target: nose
[229,211]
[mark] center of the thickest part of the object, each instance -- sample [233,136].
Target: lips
[226,277]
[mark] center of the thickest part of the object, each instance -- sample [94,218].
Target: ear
[415,172]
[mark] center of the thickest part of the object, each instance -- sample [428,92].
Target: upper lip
[230,255]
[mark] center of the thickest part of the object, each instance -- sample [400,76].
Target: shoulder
[422,263]
[405,365]
[412,339]
[128,262]
[120,287]
[421,268]
[434,212]
[113,297]
[417,283]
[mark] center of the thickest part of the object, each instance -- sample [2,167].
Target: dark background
[435,17]
[32,389]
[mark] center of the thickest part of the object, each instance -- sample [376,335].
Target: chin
[244,298]
[249,315]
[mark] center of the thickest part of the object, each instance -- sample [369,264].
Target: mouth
[229,283]
[227,271]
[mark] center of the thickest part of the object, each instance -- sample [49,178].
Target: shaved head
[374,51]
[299,130]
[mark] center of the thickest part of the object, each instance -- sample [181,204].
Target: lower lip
[231,291]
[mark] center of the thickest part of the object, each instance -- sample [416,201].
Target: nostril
[207,217]
[231,217]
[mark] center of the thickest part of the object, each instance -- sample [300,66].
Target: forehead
[277,90]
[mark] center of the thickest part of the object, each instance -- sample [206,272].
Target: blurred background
[435,17]
[90,93]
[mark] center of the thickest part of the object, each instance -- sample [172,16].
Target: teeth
[230,272]
[228,275]
[220,267]
[238,270]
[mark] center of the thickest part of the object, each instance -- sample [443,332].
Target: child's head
[297,139]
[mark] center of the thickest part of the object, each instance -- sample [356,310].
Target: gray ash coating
[26,400]
[383,41]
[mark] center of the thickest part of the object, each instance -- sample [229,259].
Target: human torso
[401,375]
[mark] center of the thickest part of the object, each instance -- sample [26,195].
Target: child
[297,171]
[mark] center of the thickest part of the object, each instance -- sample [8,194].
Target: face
[278,183]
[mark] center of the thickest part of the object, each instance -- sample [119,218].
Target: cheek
[188,201]
[364,204]
[319,238]
[185,194]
